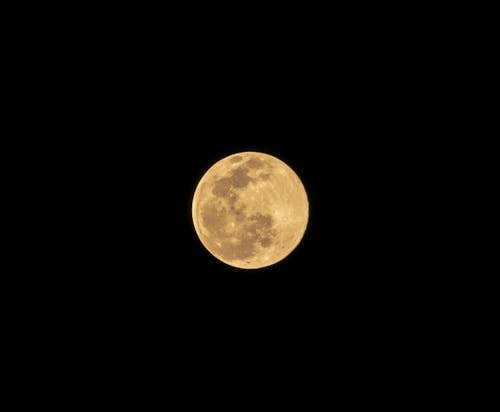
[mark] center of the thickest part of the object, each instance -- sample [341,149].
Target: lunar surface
[250,210]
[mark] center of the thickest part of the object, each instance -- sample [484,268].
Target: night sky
[140,245]
[150,250]
[153,111]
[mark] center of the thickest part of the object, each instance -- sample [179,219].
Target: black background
[140,265]
[135,113]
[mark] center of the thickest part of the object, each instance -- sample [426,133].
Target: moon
[250,210]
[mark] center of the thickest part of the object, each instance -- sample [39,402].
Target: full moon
[250,210]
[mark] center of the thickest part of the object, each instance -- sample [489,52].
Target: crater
[260,229]
[239,249]
[265,242]
[262,221]
[242,244]
[236,159]
[238,213]
[232,198]
[214,219]
[240,178]
[221,187]
[255,163]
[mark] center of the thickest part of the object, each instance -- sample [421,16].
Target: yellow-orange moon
[250,210]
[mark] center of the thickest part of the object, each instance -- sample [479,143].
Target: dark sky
[141,118]
[129,109]
[144,248]
[139,277]
[142,148]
